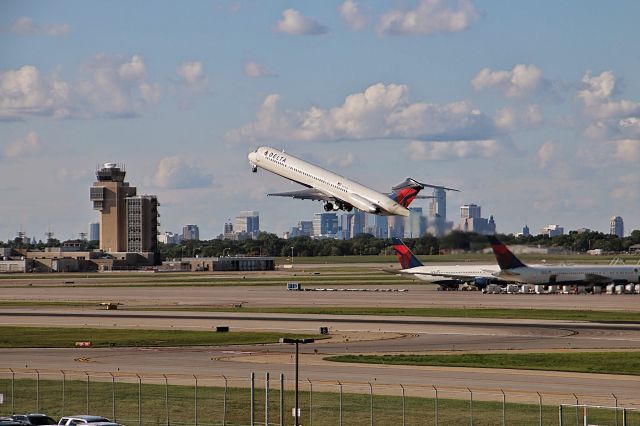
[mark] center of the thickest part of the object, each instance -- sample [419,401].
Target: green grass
[49,337]
[582,362]
[544,314]
[387,410]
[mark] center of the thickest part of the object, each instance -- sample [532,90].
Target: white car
[84,419]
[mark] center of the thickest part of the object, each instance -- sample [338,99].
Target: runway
[351,334]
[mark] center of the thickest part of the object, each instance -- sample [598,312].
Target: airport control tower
[109,196]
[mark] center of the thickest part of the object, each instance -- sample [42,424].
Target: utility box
[294,286]
[222,329]
[324,330]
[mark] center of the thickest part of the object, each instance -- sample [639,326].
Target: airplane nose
[252,157]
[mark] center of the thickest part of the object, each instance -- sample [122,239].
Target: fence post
[139,400]
[253,389]
[340,405]
[64,383]
[560,415]
[577,409]
[470,407]
[624,417]
[436,389]
[371,402]
[266,398]
[195,400]
[37,391]
[166,398]
[281,399]
[113,396]
[616,410]
[224,403]
[310,402]
[540,407]
[403,417]
[87,391]
[13,397]
[504,408]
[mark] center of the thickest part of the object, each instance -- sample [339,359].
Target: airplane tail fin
[406,258]
[405,192]
[506,259]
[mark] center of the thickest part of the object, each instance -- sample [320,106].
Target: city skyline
[474,95]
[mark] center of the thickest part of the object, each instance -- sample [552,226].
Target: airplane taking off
[449,276]
[337,192]
[512,269]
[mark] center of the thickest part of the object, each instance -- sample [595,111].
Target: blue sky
[532,110]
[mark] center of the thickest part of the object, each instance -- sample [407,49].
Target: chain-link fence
[135,399]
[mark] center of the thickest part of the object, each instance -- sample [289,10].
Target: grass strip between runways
[49,337]
[581,362]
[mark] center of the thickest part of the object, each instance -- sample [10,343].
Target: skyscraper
[471,220]
[616,226]
[109,194]
[249,222]
[94,231]
[415,225]
[190,232]
[325,225]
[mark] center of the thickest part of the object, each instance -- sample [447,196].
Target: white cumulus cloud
[352,15]
[597,95]
[627,150]
[295,23]
[28,145]
[419,151]
[26,26]
[430,16]
[192,74]
[177,173]
[547,153]
[255,70]
[380,112]
[521,81]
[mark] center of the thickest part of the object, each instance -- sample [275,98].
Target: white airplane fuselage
[430,273]
[312,176]
[542,274]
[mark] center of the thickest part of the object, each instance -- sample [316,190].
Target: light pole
[296,341]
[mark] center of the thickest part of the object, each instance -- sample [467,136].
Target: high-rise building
[305,228]
[325,225]
[616,226]
[377,225]
[94,231]
[525,231]
[357,223]
[191,232]
[552,230]
[248,222]
[345,225]
[471,220]
[142,223]
[109,194]
[169,238]
[415,225]
[395,226]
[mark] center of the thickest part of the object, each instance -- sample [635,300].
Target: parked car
[7,421]
[34,419]
[83,419]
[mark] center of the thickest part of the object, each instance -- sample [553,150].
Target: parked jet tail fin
[406,258]
[506,259]
[405,192]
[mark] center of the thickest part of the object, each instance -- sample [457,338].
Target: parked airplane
[337,192]
[512,269]
[447,276]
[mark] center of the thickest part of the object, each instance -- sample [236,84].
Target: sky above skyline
[532,110]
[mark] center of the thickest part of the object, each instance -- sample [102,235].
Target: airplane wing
[461,277]
[306,194]
[596,278]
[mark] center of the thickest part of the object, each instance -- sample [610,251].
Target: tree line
[268,244]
